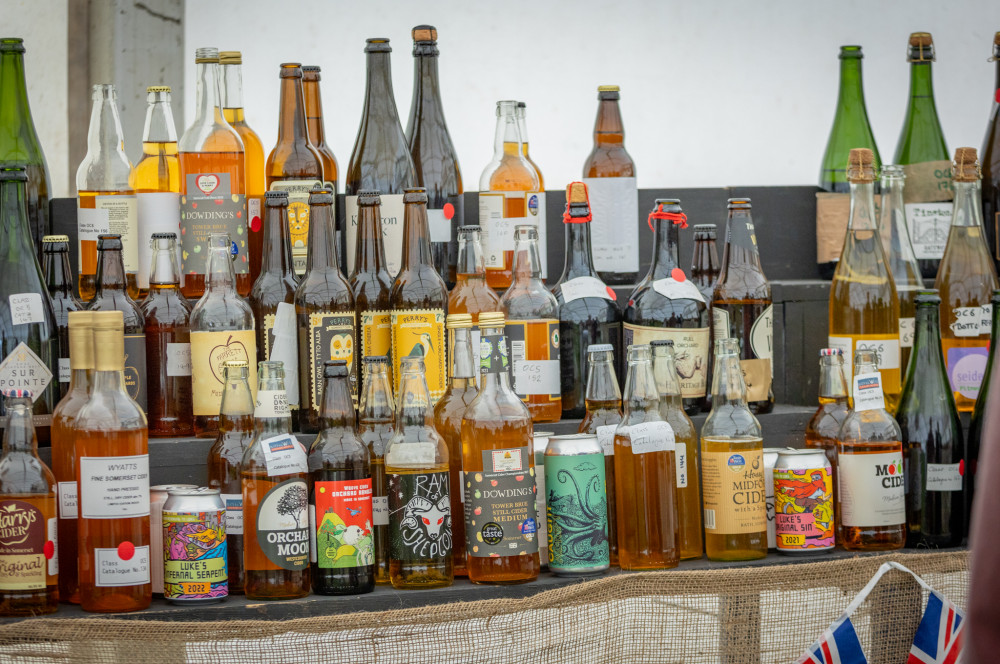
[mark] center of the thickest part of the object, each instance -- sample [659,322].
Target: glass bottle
[272,298]
[497,452]
[609,174]
[732,445]
[434,155]
[990,157]
[742,307]
[231,77]
[275,479]
[705,266]
[921,140]
[645,473]
[851,129]
[375,429]
[294,165]
[587,310]
[222,328]
[504,188]
[167,320]
[932,438]
[864,307]
[324,307]
[688,482]
[966,278]
[870,466]
[604,412]
[448,414]
[471,294]
[113,525]
[975,433]
[236,431]
[157,179]
[419,300]
[380,161]
[823,427]
[899,252]
[416,465]
[213,175]
[534,201]
[59,283]
[533,331]
[340,498]
[370,280]
[106,194]
[19,144]
[317,130]
[28,554]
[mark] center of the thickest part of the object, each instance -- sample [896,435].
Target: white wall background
[714,93]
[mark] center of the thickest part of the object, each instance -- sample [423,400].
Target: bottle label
[907,328]
[380,510]
[500,516]
[284,454]
[23,370]
[449,217]
[209,353]
[376,335]
[576,528]
[967,368]
[944,476]
[178,359]
[832,213]
[411,455]
[606,437]
[614,229]
[734,492]
[281,344]
[90,224]
[26,308]
[803,508]
[868,392]
[886,347]
[421,332]
[680,454]
[691,349]
[929,224]
[391,210]
[499,212]
[331,337]
[720,323]
[342,522]
[535,204]
[674,289]
[871,489]
[209,205]
[156,212]
[647,437]
[493,358]
[271,403]
[117,214]
[194,555]
[27,543]
[124,565]
[762,334]
[114,487]
[534,361]
[420,516]
[67,500]
[234,513]
[298,217]
[283,525]
[65,370]
[135,368]
[583,287]
[972,321]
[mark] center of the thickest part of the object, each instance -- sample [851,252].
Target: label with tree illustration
[27,544]
[210,206]
[283,525]
[331,337]
[577,509]
[500,516]
[209,353]
[341,521]
[421,332]
[419,516]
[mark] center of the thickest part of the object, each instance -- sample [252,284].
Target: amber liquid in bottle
[824,426]
[317,130]
[600,414]
[59,282]
[88,251]
[471,294]
[375,428]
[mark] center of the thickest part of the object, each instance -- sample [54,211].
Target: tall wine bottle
[59,281]
[990,161]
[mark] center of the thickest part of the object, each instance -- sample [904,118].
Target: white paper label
[234,513]
[582,287]
[907,327]
[391,211]
[411,455]
[929,224]
[26,308]
[67,500]
[65,370]
[461,486]
[677,290]
[720,323]
[285,349]
[536,377]
[606,437]
[972,321]
[439,226]
[497,230]
[114,570]
[284,455]
[90,223]
[871,489]
[158,212]
[380,510]
[53,536]
[651,437]
[24,370]
[887,351]
[178,359]
[271,403]
[680,453]
[868,392]
[614,229]
[114,487]
[944,477]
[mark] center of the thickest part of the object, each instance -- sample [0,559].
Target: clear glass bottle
[370,280]
[471,294]
[534,201]
[376,426]
[823,427]
[59,283]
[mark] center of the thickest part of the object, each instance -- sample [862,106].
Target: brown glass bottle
[823,427]
[375,428]
[471,294]
[59,282]
[705,266]
[419,300]
[317,130]
[370,281]
[324,307]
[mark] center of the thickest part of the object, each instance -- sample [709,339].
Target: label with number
[649,437]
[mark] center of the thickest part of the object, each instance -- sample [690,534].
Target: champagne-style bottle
[609,173]
[966,279]
[167,321]
[416,465]
[370,280]
[222,329]
[645,472]
[851,129]
[236,430]
[823,427]
[471,294]
[106,202]
[19,142]
[931,431]
[535,200]
[317,129]
[434,155]
[380,162]
[113,527]
[59,282]
[375,429]
[324,307]
[990,158]
[29,585]
[113,295]
[340,498]
[975,433]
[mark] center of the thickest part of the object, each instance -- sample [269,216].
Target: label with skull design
[419,516]
[500,516]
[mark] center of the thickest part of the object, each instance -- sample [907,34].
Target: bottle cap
[13,173]
[921,39]
[376,359]
[415,195]
[377,45]
[456,321]
[11,45]
[826,352]
[608,88]
[491,319]
[158,88]
[236,364]
[18,393]
[966,166]
[470,229]
[861,165]
[230,58]
[276,198]
[927,296]
[335,368]
[52,239]
[164,236]
[321,196]
[608,92]
[600,348]
[921,48]
[705,228]
[424,33]
[576,192]
[311,68]
[369,197]
[521,104]
[109,242]
[659,343]
[207,54]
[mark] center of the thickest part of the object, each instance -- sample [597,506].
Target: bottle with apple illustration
[222,329]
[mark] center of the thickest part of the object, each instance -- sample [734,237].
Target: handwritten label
[581,287]
[651,437]
[680,454]
[415,455]
[907,327]
[972,321]
[380,510]
[868,392]
[677,290]
[178,359]
[536,377]
[26,308]
[944,476]
[284,455]
[606,437]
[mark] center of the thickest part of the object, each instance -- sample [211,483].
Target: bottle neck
[463,367]
[265,424]
[640,388]
[369,254]
[14,234]
[426,103]
[14,110]
[413,408]
[232,87]
[706,258]
[665,250]
[921,84]
[322,254]
[967,210]
[207,106]
[237,402]
[337,409]
[159,127]
[379,100]
[832,383]
[470,258]
[19,432]
[108,381]
[522,129]
[221,278]
[105,134]
[110,272]
[507,137]
[376,398]
[602,384]
[416,237]
[277,252]
[728,388]
[292,127]
[608,129]
[579,260]
[851,96]
[996,80]
[494,372]
[58,274]
[314,110]
[165,274]
[927,359]
[862,216]
[527,263]
[741,242]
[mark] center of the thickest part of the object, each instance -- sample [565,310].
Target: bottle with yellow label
[370,280]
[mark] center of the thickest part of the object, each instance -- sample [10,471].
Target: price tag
[651,437]
[284,455]
[26,308]
[606,437]
[680,454]
[178,359]
[907,327]
[677,290]
[581,287]
[868,392]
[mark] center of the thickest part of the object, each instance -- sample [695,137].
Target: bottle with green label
[979,413]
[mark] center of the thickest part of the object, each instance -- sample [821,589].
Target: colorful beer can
[803,502]
[195,568]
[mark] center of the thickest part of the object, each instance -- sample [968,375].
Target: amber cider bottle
[471,294]
[375,429]
[317,129]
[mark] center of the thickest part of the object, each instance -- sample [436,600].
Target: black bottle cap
[321,196]
[369,197]
[376,359]
[164,236]
[335,368]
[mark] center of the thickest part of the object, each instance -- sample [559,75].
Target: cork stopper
[230,58]
[454,321]
[576,192]
[424,33]
[861,165]
[158,88]
[921,39]
[491,319]
[966,165]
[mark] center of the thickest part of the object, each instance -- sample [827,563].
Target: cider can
[157,496]
[803,501]
[576,506]
[195,569]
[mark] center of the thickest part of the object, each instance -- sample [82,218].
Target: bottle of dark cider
[317,130]
[324,307]
[587,310]
[419,300]
[370,280]
[990,158]
[340,500]
[59,282]
[375,429]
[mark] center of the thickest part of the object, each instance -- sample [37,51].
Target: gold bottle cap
[230,58]
[158,88]
[109,340]
[491,319]
[966,165]
[921,39]
[81,339]
[577,192]
[861,165]
[608,88]
[424,33]
[236,364]
[52,239]
[458,321]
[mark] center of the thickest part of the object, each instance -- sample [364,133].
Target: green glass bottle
[990,158]
[850,129]
[979,414]
[931,436]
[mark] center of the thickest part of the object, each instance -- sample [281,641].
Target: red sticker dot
[449,211]
[998,96]
[614,297]
[126,550]
[255,224]
[49,549]
[678,274]
[961,467]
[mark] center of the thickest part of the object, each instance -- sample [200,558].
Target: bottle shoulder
[25,474]
[730,420]
[650,308]
[293,160]
[869,426]
[165,307]
[609,161]
[421,287]
[521,302]
[108,412]
[336,447]
[325,289]
[119,300]
[218,312]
